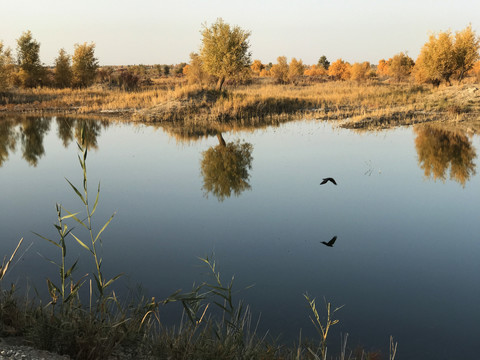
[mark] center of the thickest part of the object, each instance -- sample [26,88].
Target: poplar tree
[28,58]
[84,65]
[63,70]
[224,51]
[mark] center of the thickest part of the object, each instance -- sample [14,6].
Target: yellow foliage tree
[194,71]
[295,70]
[400,67]
[280,70]
[6,67]
[360,72]
[315,70]
[84,64]
[447,56]
[224,51]
[466,49]
[339,70]
[257,67]
[264,73]
[476,71]
[382,68]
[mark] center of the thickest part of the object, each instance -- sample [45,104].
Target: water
[405,213]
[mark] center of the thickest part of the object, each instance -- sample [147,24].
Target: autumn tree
[465,49]
[315,70]
[476,71]
[339,70]
[63,70]
[279,71]
[360,72]
[446,56]
[257,67]
[436,61]
[28,58]
[194,71]
[400,67]
[6,66]
[84,65]
[295,69]
[382,67]
[224,51]
[323,62]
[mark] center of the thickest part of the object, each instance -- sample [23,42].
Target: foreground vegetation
[84,318]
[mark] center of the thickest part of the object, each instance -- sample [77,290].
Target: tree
[360,71]
[84,64]
[63,70]
[280,70]
[476,71]
[224,51]
[323,62]
[295,70]
[166,70]
[6,67]
[436,61]
[383,66]
[28,58]
[225,168]
[466,49]
[194,71]
[447,56]
[400,67]
[315,70]
[339,70]
[257,67]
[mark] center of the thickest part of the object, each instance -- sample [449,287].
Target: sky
[166,32]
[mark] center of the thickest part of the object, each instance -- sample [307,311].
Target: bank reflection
[443,152]
[225,168]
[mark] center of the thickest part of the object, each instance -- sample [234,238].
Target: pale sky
[130,32]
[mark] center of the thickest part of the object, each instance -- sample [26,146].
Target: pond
[405,214]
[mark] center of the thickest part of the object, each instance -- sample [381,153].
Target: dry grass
[198,110]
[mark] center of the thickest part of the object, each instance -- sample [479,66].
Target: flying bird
[331,242]
[325,180]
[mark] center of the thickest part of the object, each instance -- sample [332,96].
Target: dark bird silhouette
[325,180]
[331,242]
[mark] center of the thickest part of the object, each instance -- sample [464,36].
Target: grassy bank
[371,105]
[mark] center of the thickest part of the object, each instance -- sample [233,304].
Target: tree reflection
[8,140]
[65,130]
[440,150]
[225,168]
[92,129]
[32,133]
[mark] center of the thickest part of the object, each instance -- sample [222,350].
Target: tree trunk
[220,139]
[220,82]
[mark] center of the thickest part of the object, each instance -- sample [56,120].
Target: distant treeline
[444,57]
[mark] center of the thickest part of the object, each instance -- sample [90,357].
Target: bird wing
[324,181]
[332,241]
[333,181]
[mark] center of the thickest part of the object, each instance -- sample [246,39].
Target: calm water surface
[406,213]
